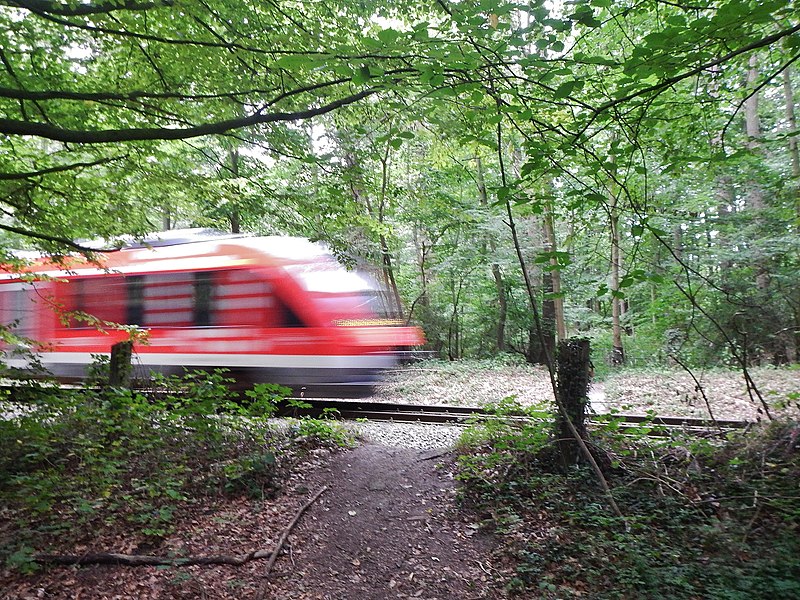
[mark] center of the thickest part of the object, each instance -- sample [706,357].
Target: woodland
[629,169]
[517,173]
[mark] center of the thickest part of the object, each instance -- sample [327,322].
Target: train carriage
[272,309]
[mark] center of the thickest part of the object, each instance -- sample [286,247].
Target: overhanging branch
[59,169]
[74,9]
[59,134]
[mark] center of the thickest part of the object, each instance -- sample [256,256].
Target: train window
[135,304]
[103,298]
[202,298]
[289,318]
[18,307]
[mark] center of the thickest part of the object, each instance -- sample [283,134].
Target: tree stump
[120,369]
[572,371]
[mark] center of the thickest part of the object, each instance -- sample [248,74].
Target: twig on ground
[262,590]
[135,560]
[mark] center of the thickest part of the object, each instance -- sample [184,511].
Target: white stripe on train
[282,361]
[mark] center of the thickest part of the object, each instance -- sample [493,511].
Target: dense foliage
[643,153]
[703,519]
[627,171]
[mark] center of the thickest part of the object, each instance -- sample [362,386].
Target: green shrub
[73,461]
[703,518]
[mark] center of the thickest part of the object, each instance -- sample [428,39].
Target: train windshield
[347,297]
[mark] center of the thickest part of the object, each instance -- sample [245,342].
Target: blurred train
[268,309]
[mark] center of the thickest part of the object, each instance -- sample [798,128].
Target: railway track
[416,413]
[358,409]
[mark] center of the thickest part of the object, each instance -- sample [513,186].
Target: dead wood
[135,560]
[262,590]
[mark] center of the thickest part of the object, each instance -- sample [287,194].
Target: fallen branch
[262,590]
[136,560]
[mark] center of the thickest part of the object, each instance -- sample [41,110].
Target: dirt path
[385,528]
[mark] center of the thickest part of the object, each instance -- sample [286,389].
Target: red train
[271,309]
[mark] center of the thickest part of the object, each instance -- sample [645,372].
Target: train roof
[188,249]
[172,237]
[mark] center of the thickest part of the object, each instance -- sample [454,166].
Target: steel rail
[390,411]
[357,409]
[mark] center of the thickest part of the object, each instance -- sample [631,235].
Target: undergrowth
[77,462]
[704,518]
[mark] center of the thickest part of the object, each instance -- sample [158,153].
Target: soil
[385,527]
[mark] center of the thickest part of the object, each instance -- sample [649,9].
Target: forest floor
[667,392]
[387,524]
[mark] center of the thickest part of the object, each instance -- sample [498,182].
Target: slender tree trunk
[617,350]
[551,245]
[499,284]
[755,195]
[361,197]
[791,119]
[454,329]
[387,257]
[548,320]
[234,216]
[794,154]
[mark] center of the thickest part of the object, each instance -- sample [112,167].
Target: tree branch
[75,9]
[59,169]
[48,238]
[14,127]
[135,560]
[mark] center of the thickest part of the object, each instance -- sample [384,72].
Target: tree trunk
[573,387]
[548,320]
[386,256]
[499,285]
[791,119]
[233,215]
[756,205]
[120,368]
[551,245]
[617,350]
[794,154]
[427,316]
[361,197]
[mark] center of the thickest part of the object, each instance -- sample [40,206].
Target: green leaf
[566,88]
[388,36]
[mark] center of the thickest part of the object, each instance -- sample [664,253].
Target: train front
[362,318]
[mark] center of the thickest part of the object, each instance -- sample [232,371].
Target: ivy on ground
[76,462]
[703,518]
